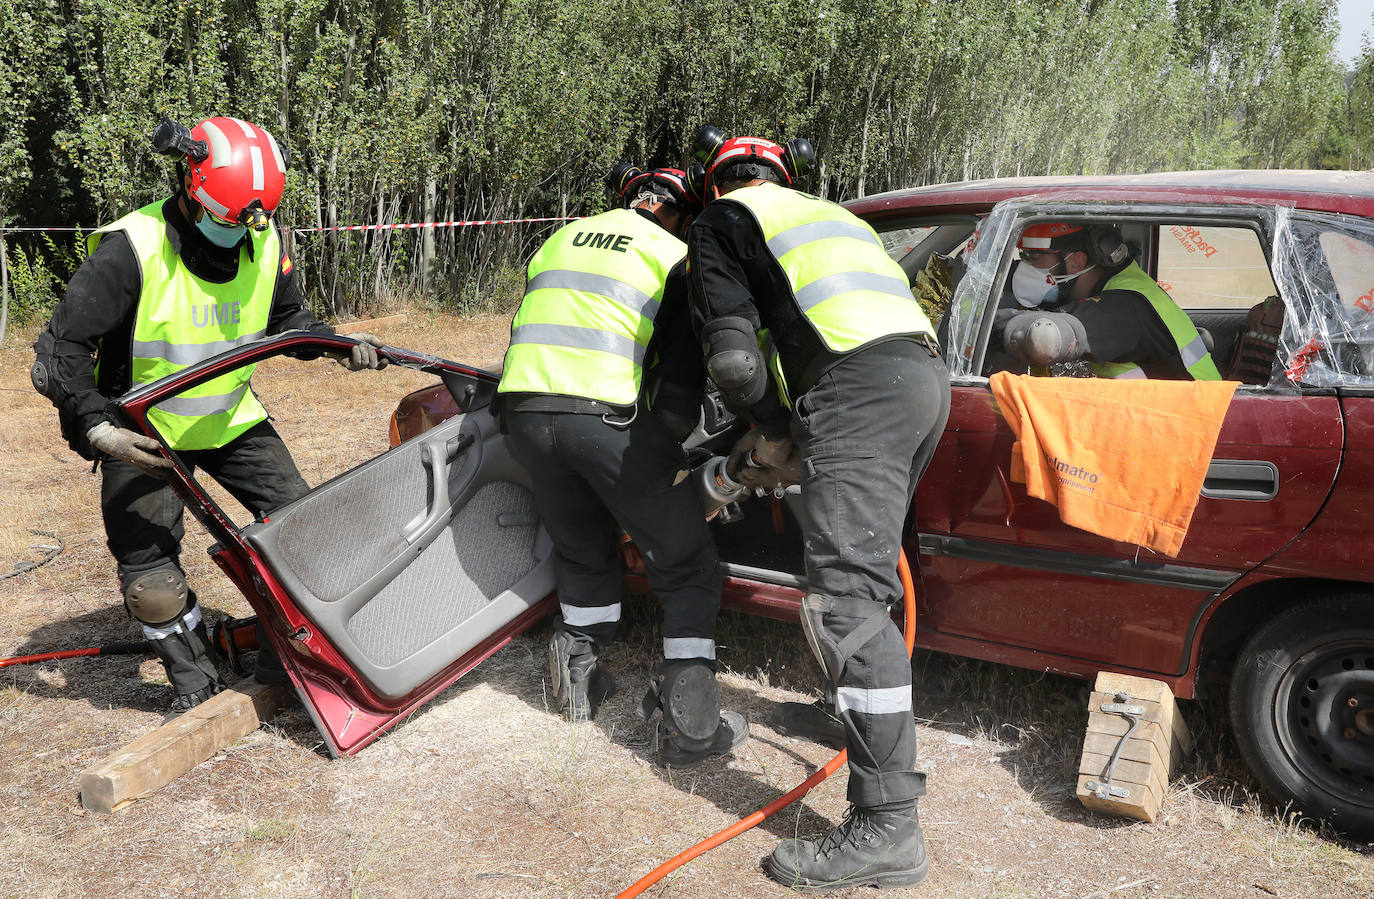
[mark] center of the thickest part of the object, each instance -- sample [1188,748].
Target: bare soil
[484,793]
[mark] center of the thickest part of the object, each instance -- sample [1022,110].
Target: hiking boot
[184,702]
[676,752]
[814,721]
[580,686]
[876,849]
[267,667]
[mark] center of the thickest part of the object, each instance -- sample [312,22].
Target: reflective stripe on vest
[182,320]
[584,325]
[1191,349]
[842,279]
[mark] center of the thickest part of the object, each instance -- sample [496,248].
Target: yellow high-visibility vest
[182,319]
[1190,346]
[591,297]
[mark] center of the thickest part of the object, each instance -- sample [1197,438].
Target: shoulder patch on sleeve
[286,265]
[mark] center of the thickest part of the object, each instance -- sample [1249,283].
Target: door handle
[1248,479]
[437,464]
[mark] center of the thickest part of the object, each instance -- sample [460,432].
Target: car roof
[1331,191]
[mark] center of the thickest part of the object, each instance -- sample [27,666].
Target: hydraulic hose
[829,768]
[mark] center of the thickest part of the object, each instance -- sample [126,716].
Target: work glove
[364,353]
[759,462]
[130,446]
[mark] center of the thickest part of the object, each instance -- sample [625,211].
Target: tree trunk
[4,283]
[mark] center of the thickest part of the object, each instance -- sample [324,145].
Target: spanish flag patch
[285,264]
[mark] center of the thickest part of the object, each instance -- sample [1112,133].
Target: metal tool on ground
[231,636]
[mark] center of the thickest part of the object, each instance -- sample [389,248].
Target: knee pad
[734,361]
[158,597]
[690,699]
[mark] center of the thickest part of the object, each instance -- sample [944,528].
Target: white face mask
[1035,287]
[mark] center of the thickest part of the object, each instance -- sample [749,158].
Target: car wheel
[1302,709]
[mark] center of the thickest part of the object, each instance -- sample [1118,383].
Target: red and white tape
[396,227]
[411,225]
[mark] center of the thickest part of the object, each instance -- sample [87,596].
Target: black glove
[130,446]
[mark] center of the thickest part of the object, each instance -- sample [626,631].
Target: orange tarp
[1123,458]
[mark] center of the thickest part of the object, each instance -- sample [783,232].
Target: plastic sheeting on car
[1324,264]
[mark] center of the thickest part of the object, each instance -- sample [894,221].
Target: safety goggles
[1039,258]
[222,222]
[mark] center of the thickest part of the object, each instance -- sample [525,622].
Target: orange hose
[801,789]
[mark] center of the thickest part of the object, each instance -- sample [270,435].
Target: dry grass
[483,793]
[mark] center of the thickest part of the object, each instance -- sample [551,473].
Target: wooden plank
[160,756]
[1145,809]
[1142,751]
[1132,775]
[369,324]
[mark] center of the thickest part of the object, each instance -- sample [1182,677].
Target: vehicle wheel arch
[1242,613]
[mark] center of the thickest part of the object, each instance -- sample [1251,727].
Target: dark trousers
[867,430]
[592,479]
[143,517]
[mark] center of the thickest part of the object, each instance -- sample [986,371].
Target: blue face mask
[220,235]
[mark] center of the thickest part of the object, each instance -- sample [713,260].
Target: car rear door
[1002,574]
[385,584]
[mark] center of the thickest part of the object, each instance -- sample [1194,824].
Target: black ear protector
[707,143]
[1106,247]
[797,158]
[172,139]
[620,176]
[696,185]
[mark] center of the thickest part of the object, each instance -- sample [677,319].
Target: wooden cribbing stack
[1135,737]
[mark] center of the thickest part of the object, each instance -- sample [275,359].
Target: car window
[900,241]
[1211,267]
[1352,269]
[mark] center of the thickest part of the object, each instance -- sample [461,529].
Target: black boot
[267,667]
[678,752]
[814,721]
[868,848]
[189,661]
[580,686]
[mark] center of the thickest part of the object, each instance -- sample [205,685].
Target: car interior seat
[1258,343]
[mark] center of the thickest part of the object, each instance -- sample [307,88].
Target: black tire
[1302,709]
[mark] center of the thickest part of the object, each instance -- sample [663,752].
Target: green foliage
[410,110]
[36,277]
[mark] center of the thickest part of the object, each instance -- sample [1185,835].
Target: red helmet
[628,180]
[750,157]
[1052,237]
[244,170]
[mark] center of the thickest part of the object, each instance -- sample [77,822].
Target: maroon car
[1270,592]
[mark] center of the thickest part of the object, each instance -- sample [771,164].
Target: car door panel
[385,584]
[398,602]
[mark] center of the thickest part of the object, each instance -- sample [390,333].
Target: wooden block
[1144,808]
[369,324]
[160,756]
[1145,759]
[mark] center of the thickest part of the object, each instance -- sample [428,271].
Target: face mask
[1033,286]
[220,235]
